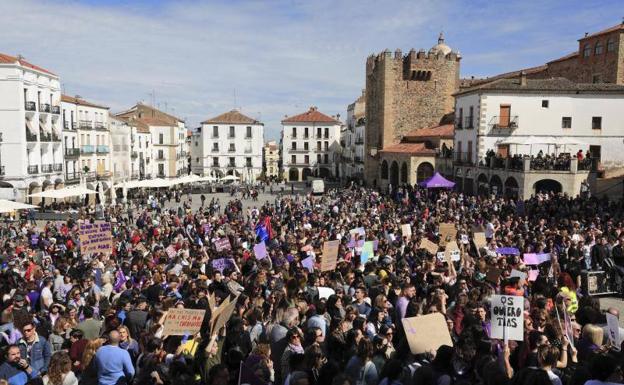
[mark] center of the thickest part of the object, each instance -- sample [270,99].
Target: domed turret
[441,47]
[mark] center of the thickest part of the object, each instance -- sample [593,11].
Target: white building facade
[229,144]
[352,140]
[121,138]
[140,152]
[514,125]
[31,153]
[310,146]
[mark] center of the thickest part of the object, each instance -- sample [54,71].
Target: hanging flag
[120,279]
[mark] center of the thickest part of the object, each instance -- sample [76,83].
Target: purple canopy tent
[437,181]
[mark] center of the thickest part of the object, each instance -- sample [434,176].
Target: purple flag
[120,279]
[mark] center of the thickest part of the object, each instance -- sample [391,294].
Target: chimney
[586,33]
[523,79]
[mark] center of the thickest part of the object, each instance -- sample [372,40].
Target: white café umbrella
[7,206]
[64,192]
[229,177]
[158,182]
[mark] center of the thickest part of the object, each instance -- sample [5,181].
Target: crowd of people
[70,318]
[541,161]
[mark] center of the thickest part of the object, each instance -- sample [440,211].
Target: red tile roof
[80,102]
[155,121]
[311,116]
[231,117]
[619,27]
[12,60]
[442,131]
[564,58]
[408,148]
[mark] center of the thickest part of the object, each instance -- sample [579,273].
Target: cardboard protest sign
[451,245]
[426,333]
[613,327]
[171,251]
[506,315]
[447,233]
[325,292]
[224,316]
[222,244]
[96,238]
[218,310]
[181,322]
[406,230]
[518,273]
[431,247]
[353,243]
[140,248]
[479,240]
[367,252]
[212,302]
[260,250]
[222,264]
[330,255]
[452,255]
[533,274]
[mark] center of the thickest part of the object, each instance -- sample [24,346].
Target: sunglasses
[28,330]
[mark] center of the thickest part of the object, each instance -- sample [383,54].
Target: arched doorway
[324,172]
[483,187]
[384,170]
[496,185]
[394,174]
[511,188]
[293,175]
[32,189]
[547,185]
[404,173]
[306,173]
[424,171]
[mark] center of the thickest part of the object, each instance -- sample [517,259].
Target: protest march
[353,287]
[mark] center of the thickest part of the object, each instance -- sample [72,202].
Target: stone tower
[405,92]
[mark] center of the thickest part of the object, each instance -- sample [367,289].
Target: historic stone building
[406,92]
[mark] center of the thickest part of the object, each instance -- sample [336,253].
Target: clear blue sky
[275,58]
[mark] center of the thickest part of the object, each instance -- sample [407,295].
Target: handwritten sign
[260,250]
[479,240]
[330,255]
[140,248]
[613,326]
[96,238]
[171,251]
[222,244]
[431,247]
[426,333]
[224,316]
[358,231]
[325,292]
[535,259]
[447,232]
[406,230]
[367,252]
[308,263]
[181,322]
[506,314]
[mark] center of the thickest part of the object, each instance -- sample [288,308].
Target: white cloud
[279,56]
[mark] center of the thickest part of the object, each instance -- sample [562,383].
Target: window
[318,158]
[161,154]
[215,162]
[293,159]
[215,147]
[232,162]
[161,169]
[318,132]
[326,158]
[326,146]
[597,122]
[293,146]
[232,147]
[305,133]
[294,132]
[306,159]
[610,45]
[161,138]
[327,132]
[598,49]
[231,132]
[586,50]
[544,103]
[196,143]
[247,162]
[504,116]
[305,146]
[215,131]
[566,122]
[470,118]
[318,146]
[248,134]
[460,119]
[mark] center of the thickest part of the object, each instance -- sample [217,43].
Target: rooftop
[8,59]
[561,85]
[619,27]
[313,115]
[408,148]
[80,102]
[231,117]
[441,131]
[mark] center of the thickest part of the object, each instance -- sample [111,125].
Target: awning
[7,206]
[65,192]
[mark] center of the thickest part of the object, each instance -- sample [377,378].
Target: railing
[213,136]
[100,126]
[463,158]
[87,149]
[102,149]
[134,154]
[215,165]
[469,122]
[33,169]
[231,165]
[30,137]
[30,106]
[231,136]
[44,107]
[90,176]
[248,165]
[72,152]
[297,150]
[73,126]
[459,124]
[56,110]
[72,177]
[248,136]
[232,149]
[306,136]
[55,137]
[86,125]
[496,124]
[58,167]
[45,136]
[161,174]
[103,174]
[46,168]
[214,149]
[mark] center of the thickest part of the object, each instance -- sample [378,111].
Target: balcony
[33,169]
[459,124]
[215,149]
[504,122]
[103,174]
[90,176]
[72,177]
[45,136]
[44,108]
[30,137]
[46,168]
[87,149]
[232,149]
[70,126]
[56,110]
[72,152]
[102,149]
[30,106]
[100,126]
[214,136]
[134,154]
[231,136]
[231,165]
[56,137]
[85,125]
[469,122]
[58,167]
